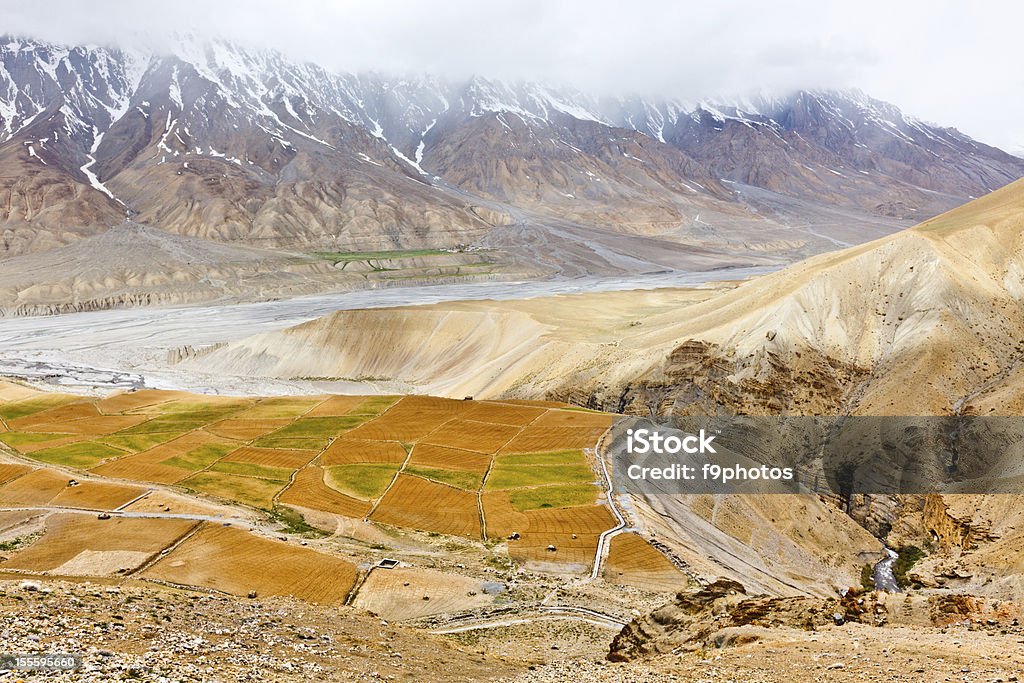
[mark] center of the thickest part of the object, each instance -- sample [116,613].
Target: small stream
[883,576]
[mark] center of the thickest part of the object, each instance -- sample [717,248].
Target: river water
[885,579]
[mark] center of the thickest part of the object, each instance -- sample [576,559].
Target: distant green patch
[363,480]
[183,418]
[278,408]
[374,406]
[558,496]
[19,439]
[306,444]
[867,577]
[201,409]
[248,469]
[19,542]
[569,457]
[908,556]
[348,256]
[306,427]
[200,458]
[136,443]
[509,476]
[258,493]
[463,480]
[82,455]
[294,523]
[31,406]
[309,433]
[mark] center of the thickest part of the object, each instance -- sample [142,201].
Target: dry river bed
[127,348]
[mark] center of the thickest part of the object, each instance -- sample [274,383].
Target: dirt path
[604,539]
[547,614]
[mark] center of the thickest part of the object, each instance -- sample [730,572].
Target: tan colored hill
[935,307]
[480,348]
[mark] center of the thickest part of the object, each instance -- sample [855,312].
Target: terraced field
[236,562]
[633,562]
[515,472]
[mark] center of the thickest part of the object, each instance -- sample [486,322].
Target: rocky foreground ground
[162,634]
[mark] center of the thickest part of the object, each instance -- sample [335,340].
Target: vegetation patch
[31,406]
[276,408]
[18,543]
[258,493]
[374,405]
[309,443]
[19,439]
[136,443]
[867,577]
[365,480]
[294,523]
[507,476]
[248,469]
[324,427]
[557,496]
[200,458]
[566,457]
[81,455]
[349,256]
[908,556]
[460,479]
[183,419]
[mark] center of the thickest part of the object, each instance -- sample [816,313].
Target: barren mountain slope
[133,265]
[935,307]
[211,140]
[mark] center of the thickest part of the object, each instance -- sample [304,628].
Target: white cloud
[944,61]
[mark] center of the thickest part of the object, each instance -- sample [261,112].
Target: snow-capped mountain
[221,142]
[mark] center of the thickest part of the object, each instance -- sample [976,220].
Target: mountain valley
[333,363]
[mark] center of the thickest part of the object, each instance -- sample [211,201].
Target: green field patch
[294,523]
[325,427]
[348,256]
[568,457]
[201,409]
[306,444]
[258,493]
[163,425]
[363,480]
[82,455]
[464,480]
[31,406]
[136,443]
[374,405]
[183,419]
[248,469]
[557,496]
[200,458]
[19,439]
[277,408]
[509,476]
[309,433]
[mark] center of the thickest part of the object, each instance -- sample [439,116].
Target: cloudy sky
[939,60]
